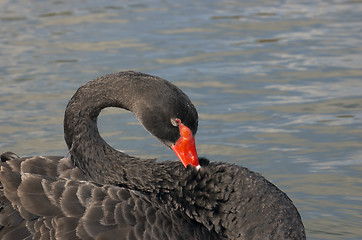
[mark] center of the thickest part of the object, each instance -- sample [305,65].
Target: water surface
[278,86]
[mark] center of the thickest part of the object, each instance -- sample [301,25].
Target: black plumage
[100,193]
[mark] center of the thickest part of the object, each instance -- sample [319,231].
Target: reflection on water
[277,85]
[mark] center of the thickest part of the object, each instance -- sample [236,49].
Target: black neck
[98,160]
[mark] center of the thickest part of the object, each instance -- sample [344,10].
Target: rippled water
[278,85]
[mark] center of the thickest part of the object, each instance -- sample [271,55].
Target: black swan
[101,193]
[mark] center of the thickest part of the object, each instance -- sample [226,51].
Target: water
[278,85]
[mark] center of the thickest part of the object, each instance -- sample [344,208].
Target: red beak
[185,147]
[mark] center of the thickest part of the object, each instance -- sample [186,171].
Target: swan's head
[168,114]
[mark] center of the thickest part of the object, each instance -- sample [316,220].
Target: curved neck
[98,160]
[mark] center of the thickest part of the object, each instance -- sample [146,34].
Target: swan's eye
[175,122]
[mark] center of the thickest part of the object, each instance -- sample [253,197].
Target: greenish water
[278,86]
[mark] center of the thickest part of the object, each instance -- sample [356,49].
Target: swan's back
[50,198]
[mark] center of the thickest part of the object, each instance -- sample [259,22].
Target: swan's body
[101,193]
